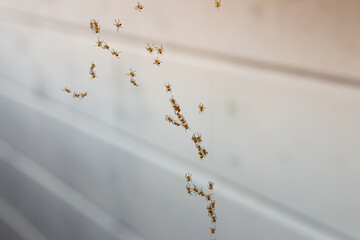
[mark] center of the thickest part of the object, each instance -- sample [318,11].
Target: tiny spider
[91,25]
[208,197]
[201,193]
[83,94]
[188,177]
[211,186]
[195,189]
[198,146]
[157,61]
[182,120]
[201,155]
[204,152]
[133,82]
[118,24]
[172,100]
[95,22]
[115,53]
[67,90]
[168,87]
[212,230]
[217,3]
[201,108]
[149,48]
[186,126]
[176,108]
[97,29]
[106,46]
[99,43]
[212,204]
[92,73]
[132,73]
[176,123]
[213,218]
[92,66]
[179,116]
[189,191]
[139,7]
[169,119]
[160,50]
[76,95]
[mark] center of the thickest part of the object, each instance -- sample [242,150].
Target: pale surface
[282,82]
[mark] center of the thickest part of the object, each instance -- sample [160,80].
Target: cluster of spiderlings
[79,95]
[94,26]
[182,122]
[132,76]
[159,50]
[196,138]
[193,190]
[92,71]
[102,44]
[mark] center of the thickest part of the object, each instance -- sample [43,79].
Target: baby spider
[212,230]
[149,48]
[133,82]
[92,73]
[212,204]
[97,29]
[132,73]
[76,95]
[160,50]
[195,189]
[84,94]
[217,3]
[67,90]
[188,177]
[201,193]
[186,126]
[213,218]
[106,46]
[204,152]
[139,7]
[169,119]
[211,186]
[99,43]
[196,137]
[210,211]
[168,87]
[182,120]
[201,155]
[157,61]
[95,23]
[189,191]
[176,123]
[115,53]
[176,108]
[92,66]
[118,24]
[172,100]
[201,108]
[91,25]
[208,197]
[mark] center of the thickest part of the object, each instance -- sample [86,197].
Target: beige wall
[280,80]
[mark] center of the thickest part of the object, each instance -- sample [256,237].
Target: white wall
[280,81]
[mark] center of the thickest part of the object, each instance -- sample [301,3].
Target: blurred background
[280,81]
